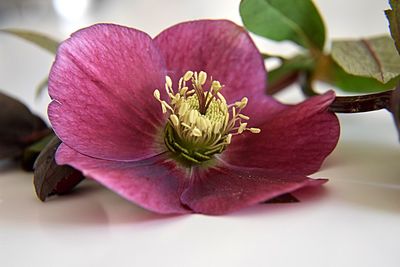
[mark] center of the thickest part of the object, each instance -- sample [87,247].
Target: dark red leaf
[50,178]
[19,127]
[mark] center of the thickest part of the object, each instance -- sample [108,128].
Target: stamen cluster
[200,122]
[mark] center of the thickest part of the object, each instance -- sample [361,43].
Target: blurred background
[23,66]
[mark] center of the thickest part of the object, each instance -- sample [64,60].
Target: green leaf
[41,86]
[393,15]
[32,152]
[375,57]
[298,21]
[39,145]
[288,72]
[39,39]
[332,73]
[353,83]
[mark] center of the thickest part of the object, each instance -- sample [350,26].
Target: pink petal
[225,51]
[102,85]
[154,184]
[296,141]
[226,188]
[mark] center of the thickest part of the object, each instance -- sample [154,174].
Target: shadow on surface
[365,174]
[365,162]
[88,205]
[305,196]
[362,175]
[92,204]
[7,165]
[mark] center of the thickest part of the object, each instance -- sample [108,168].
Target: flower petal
[102,85]
[296,141]
[154,183]
[226,188]
[222,49]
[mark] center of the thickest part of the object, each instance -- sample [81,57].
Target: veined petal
[227,188]
[222,49]
[102,84]
[295,141]
[155,183]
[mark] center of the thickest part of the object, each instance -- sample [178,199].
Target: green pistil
[189,155]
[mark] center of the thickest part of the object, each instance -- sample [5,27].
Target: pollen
[201,123]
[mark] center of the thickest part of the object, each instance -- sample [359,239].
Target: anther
[255,130]
[196,132]
[228,139]
[217,127]
[202,77]
[156,94]
[201,123]
[188,75]
[220,96]
[193,116]
[216,86]
[242,127]
[185,125]
[174,119]
[183,90]
[244,117]
[183,109]
[168,81]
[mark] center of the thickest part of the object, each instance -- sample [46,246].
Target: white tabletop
[353,221]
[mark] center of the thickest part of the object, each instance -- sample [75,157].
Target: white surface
[354,221]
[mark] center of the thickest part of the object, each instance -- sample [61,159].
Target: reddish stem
[351,104]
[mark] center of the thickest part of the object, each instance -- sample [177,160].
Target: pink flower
[193,157]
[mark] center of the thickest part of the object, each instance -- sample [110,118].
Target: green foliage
[32,152]
[279,20]
[39,145]
[297,63]
[353,83]
[39,39]
[375,57]
[288,70]
[393,15]
[41,86]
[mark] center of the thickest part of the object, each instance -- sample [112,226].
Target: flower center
[200,122]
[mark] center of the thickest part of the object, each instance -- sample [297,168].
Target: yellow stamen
[156,94]
[201,123]
[202,77]
[242,127]
[255,130]
[168,81]
[174,119]
[244,117]
[229,139]
[188,75]
[196,132]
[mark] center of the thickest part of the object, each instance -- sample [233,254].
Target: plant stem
[282,83]
[351,104]
[362,103]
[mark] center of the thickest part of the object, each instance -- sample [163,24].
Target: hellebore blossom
[181,123]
